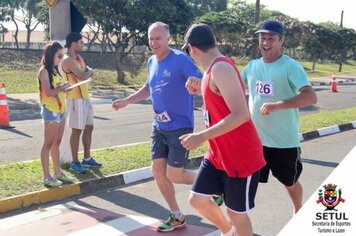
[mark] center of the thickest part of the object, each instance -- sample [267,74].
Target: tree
[318,43]
[42,16]
[201,7]
[29,9]
[229,30]
[126,22]
[4,16]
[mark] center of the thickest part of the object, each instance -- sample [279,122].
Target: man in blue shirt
[168,71]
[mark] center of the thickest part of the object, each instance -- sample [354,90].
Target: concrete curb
[329,83]
[127,177]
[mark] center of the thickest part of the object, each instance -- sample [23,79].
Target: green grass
[22,78]
[327,69]
[23,177]
[313,121]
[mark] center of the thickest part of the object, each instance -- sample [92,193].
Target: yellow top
[81,91]
[54,103]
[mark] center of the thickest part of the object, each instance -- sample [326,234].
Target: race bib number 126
[264,88]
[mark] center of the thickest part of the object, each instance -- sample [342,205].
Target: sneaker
[91,163]
[171,224]
[77,167]
[218,200]
[52,182]
[65,179]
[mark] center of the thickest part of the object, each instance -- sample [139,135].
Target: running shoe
[52,182]
[218,200]
[64,178]
[77,167]
[172,224]
[91,163]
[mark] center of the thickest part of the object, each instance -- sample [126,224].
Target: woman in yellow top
[53,112]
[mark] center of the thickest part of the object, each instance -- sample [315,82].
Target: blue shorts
[50,116]
[166,144]
[239,193]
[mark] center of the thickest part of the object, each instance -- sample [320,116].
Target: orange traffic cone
[333,84]
[4,111]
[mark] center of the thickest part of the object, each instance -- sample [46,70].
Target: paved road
[273,208]
[132,124]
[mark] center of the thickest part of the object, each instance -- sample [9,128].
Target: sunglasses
[187,50]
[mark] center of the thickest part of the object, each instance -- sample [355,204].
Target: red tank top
[239,152]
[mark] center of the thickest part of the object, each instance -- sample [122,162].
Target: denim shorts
[50,116]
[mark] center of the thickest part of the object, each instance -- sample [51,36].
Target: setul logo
[330,198]
[51,3]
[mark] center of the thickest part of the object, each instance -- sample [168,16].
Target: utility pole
[257,20]
[342,18]
[59,18]
[257,13]
[343,51]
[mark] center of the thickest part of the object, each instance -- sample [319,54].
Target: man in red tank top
[235,156]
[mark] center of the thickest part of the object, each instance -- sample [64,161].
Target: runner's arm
[224,82]
[142,94]
[305,97]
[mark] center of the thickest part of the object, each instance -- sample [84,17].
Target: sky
[316,11]
[307,10]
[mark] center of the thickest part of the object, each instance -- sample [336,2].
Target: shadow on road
[28,109]
[15,131]
[142,205]
[320,163]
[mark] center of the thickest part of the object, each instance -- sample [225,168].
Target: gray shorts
[166,144]
[80,113]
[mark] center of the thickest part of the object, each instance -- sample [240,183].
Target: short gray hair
[158,24]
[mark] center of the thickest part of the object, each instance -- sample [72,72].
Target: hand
[193,85]
[119,103]
[91,70]
[191,141]
[64,87]
[269,107]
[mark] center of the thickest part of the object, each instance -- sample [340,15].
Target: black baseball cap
[271,27]
[72,37]
[198,34]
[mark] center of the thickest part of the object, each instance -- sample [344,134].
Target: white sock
[232,232]
[176,214]
[87,158]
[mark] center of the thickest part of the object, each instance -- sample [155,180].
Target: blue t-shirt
[271,82]
[172,103]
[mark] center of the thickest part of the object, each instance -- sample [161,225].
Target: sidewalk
[341,79]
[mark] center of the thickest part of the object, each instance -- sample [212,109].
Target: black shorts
[239,193]
[284,163]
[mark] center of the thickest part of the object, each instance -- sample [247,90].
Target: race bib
[206,117]
[163,117]
[264,88]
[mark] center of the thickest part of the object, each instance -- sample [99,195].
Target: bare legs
[213,213]
[53,133]
[165,176]
[86,139]
[296,194]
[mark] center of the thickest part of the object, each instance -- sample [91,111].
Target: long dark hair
[49,52]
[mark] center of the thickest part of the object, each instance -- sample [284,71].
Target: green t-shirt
[271,82]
